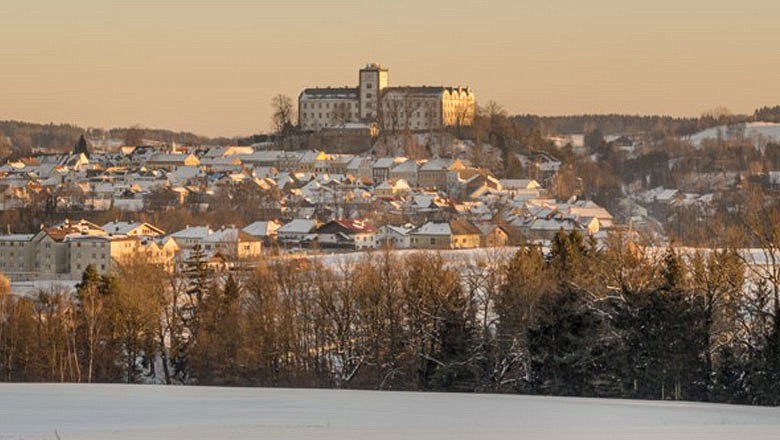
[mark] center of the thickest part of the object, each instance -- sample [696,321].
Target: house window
[433,241]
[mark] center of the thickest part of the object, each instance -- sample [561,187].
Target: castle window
[369,86]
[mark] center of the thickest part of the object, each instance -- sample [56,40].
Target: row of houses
[64,250]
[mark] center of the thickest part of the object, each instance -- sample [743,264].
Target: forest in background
[20,138]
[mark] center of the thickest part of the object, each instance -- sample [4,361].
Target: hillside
[21,137]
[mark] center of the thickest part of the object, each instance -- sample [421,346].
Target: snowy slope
[35,411]
[760,132]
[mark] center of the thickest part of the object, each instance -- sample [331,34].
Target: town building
[346,234]
[232,243]
[455,234]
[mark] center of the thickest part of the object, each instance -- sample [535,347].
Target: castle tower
[373,78]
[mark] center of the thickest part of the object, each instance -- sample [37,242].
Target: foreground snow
[35,411]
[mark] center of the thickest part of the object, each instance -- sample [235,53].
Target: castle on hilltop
[373,101]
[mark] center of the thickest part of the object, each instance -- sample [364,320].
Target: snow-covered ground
[35,411]
[759,132]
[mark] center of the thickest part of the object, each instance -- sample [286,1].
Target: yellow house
[455,234]
[493,235]
[311,160]
[232,243]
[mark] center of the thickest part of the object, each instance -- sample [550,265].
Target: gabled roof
[487,228]
[346,226]
[124,228]
[192,232]
[388,162]
[82,227]
[262,228]
[431,228]
[298,226]
[453,227]
[407,166]
[440,164]
[228,235]
[463,227]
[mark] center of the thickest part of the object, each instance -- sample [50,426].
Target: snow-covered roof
[262,228]
[432,228]
[388,162]
[227,235]
[120,228]
[192,232]
[298,226]
[16,237]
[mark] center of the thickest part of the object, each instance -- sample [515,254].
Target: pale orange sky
[211,67]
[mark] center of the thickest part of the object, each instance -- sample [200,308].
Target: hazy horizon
[211,68]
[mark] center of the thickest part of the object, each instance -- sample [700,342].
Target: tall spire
[81,146]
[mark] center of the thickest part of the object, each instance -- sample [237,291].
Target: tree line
[20,139]
[583,319]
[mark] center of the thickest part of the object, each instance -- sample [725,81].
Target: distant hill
[19,137]
[610,123]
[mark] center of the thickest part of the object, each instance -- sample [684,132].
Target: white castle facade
[416,108]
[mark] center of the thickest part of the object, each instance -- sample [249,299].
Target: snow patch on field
[89,412]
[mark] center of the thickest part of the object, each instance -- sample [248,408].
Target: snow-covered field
[35,411]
